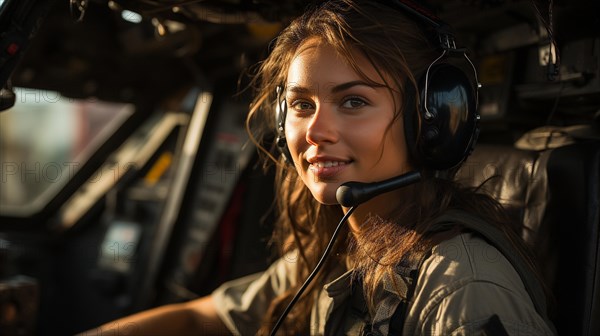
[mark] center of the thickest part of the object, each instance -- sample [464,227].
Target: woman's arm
[243,301]
[197,317]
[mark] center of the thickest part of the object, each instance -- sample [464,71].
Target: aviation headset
[444,129]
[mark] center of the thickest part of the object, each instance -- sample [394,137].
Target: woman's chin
[325,198]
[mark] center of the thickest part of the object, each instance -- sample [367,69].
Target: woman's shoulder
[469,257]
[463,283]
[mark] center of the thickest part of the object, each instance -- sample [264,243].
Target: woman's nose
[322,127]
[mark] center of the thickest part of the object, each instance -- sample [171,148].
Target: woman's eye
[301,105]
[353,102]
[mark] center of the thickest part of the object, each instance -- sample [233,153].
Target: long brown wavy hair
[399,48]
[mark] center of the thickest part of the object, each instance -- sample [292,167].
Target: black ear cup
[444,130]
[280,114]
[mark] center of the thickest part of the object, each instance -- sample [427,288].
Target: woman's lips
[327,170]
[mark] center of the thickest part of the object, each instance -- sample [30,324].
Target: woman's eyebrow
[298,89]
[347,85]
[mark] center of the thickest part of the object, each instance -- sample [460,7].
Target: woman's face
[337,123]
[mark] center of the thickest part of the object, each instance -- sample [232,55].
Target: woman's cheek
[295,137]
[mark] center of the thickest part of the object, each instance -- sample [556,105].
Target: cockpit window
[44,140]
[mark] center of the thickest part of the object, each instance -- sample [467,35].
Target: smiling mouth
[327,169]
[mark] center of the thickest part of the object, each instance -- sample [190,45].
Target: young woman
[345,76]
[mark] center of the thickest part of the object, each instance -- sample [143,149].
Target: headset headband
[424,15]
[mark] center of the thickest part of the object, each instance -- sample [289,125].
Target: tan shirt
[460,286]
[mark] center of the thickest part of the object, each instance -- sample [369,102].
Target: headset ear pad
[447,120]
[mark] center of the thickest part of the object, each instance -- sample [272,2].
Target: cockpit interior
[128,179]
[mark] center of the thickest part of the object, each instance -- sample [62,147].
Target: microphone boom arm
[354,193]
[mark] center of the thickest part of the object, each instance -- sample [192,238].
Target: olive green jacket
[461,285]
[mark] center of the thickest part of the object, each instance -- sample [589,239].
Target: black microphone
[354,193]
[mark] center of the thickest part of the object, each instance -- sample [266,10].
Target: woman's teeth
[327,164]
